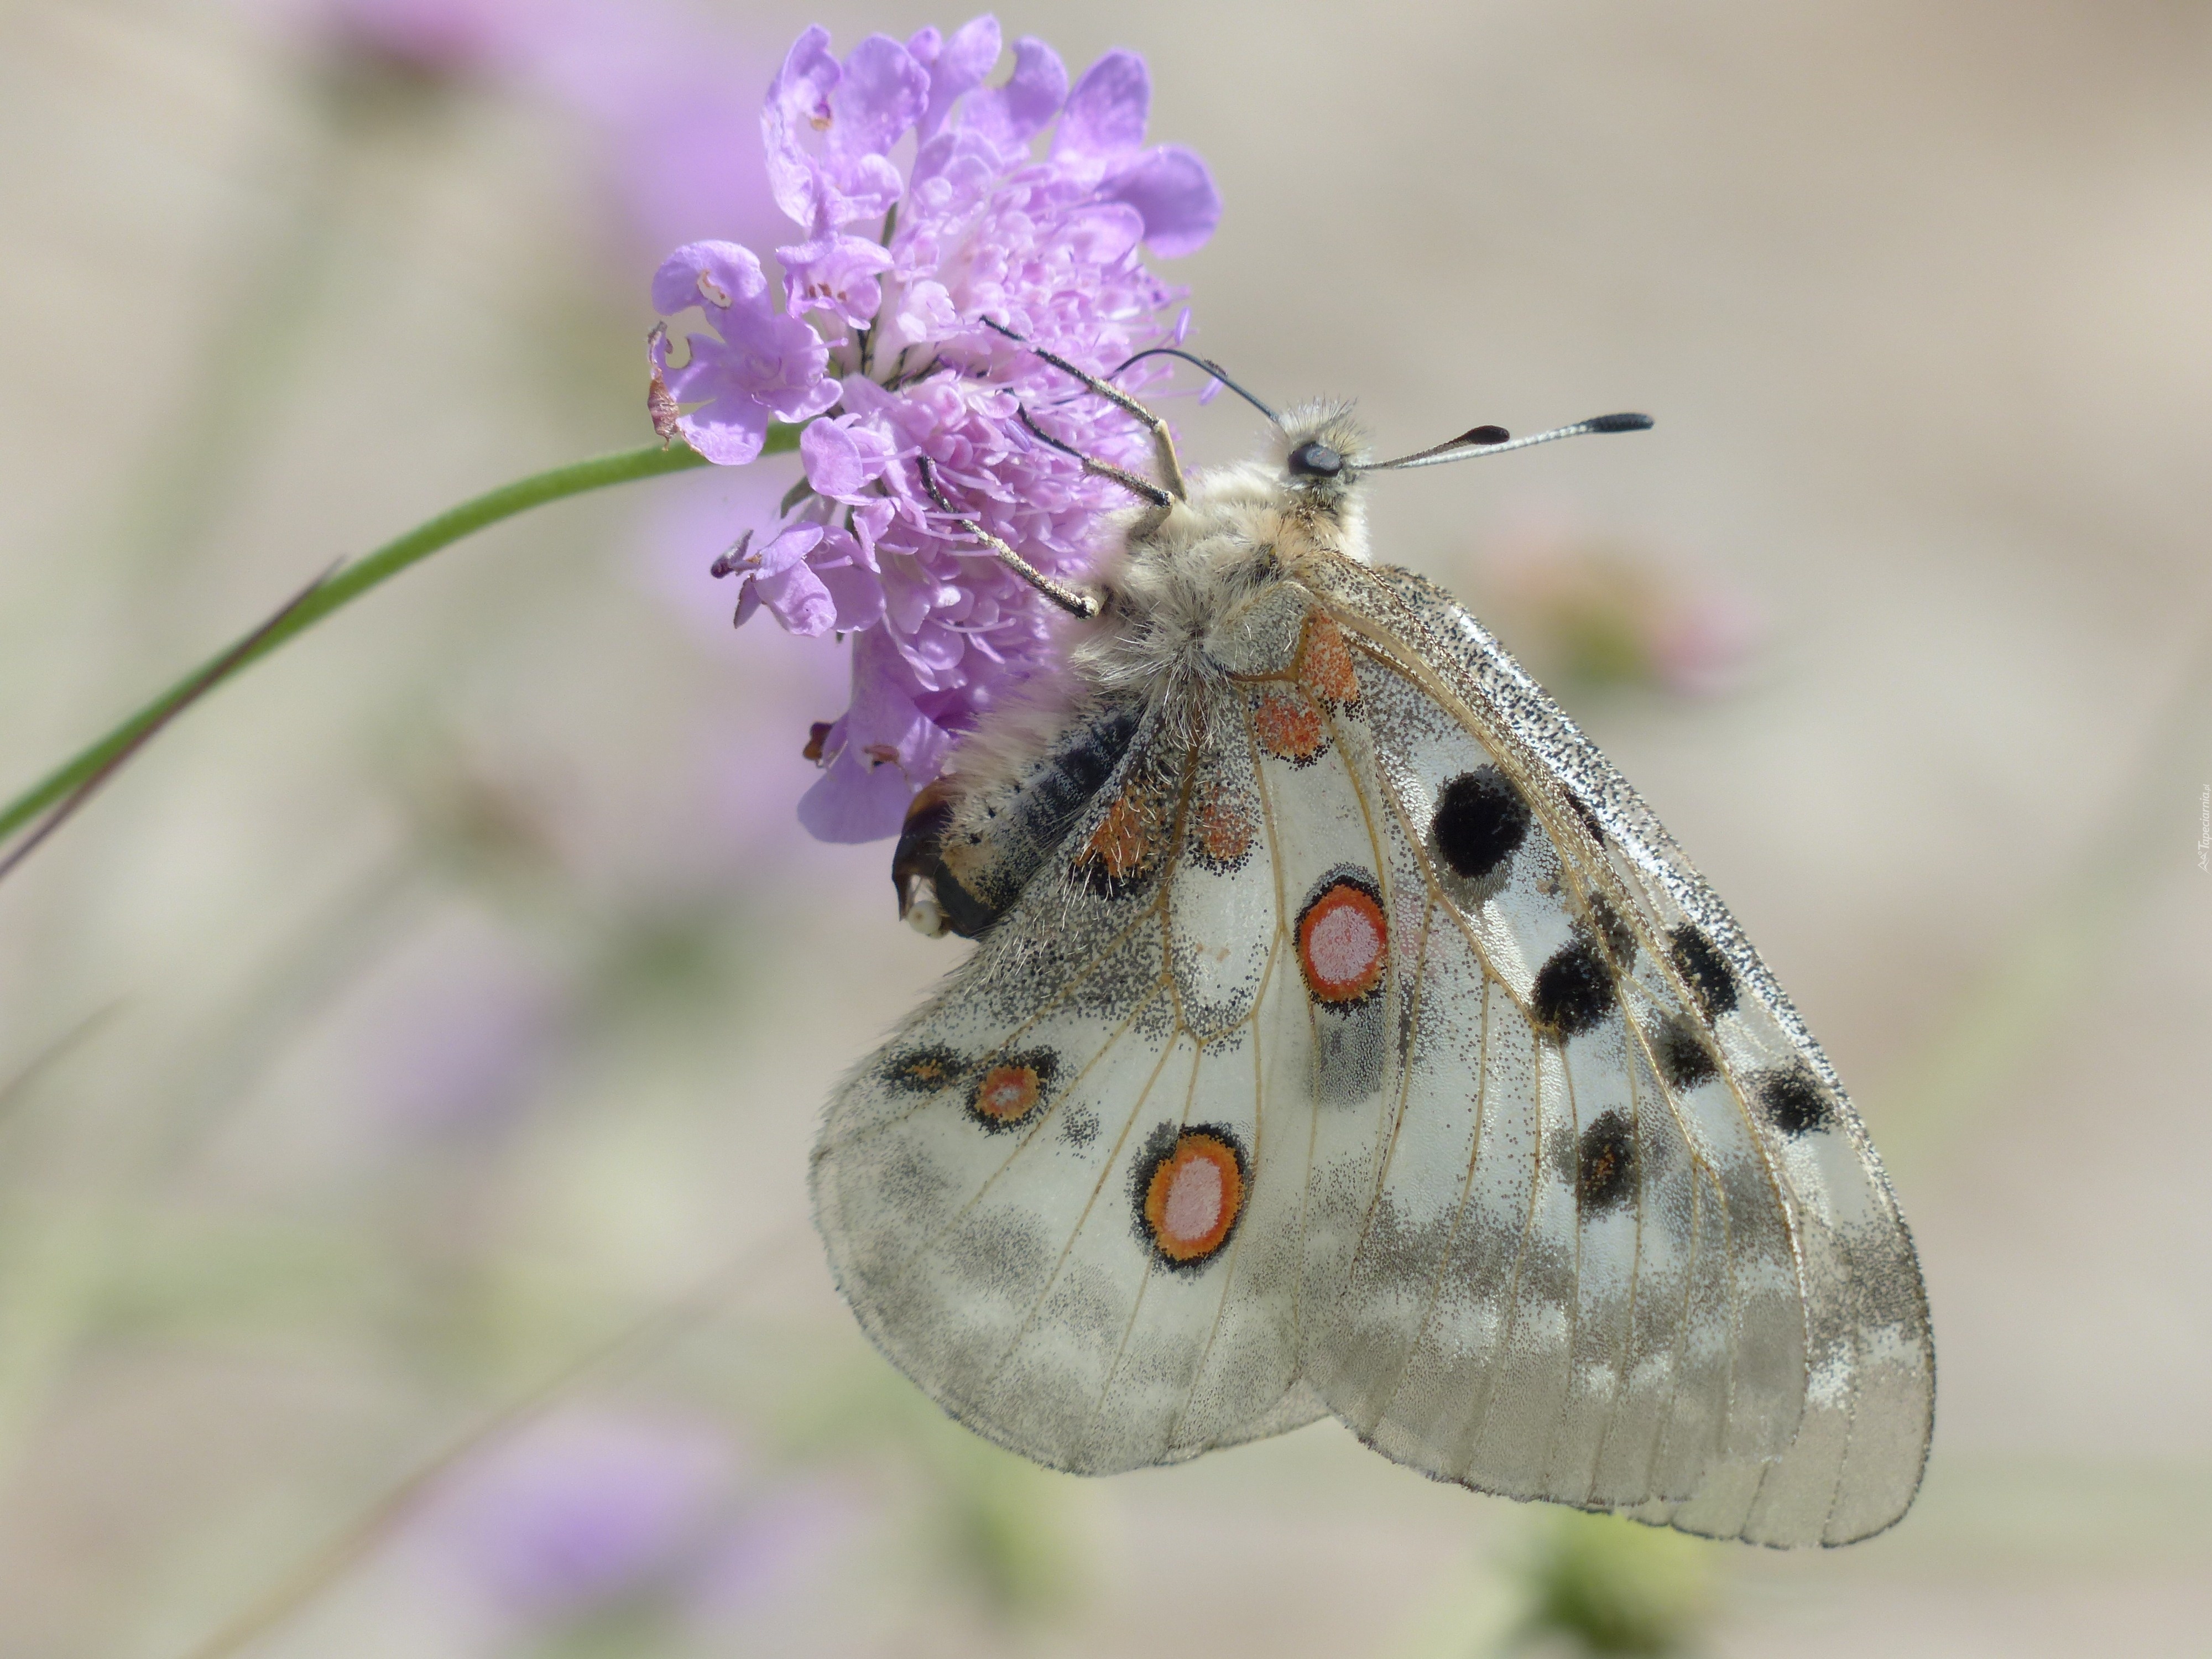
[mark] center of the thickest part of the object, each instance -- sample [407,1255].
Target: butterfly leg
[1163,450]
[1129,481]
[1072,600]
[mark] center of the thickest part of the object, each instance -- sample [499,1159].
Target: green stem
[348,583]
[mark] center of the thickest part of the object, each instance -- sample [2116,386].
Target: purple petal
[748,602]
[884,94]
[1012,113]
[798,102]
[851,802]
[1101,234]
[1106,110]
[779,361]
[971,54]
[715,275]
[1172,189]
[789,545]
[834,461]
[801,89]
[837,274]
[857,594]
[727,431]
[798,599]
[857,187]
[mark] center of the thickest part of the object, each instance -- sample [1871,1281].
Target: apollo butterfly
[1344,1036]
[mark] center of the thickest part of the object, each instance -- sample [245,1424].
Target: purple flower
[763,365]
[585,1506]
[438,40]
[882,334]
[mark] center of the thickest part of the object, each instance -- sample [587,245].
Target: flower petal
[728,431]
[714,276]
[836,463]
[958,69]
[1013,113]
[851,802]
[799,101]
[883,93]
[837,274]
[798,599]
[1106,110]
[1172,189]
[857,594]
[786,549]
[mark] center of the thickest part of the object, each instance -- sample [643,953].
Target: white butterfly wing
[1015,1190]
[1629,1247]
[1286,1081]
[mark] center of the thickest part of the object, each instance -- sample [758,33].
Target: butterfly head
[1323,451]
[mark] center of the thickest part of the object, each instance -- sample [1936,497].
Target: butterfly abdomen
[965,856]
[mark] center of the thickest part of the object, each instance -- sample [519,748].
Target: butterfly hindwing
[1096,1276]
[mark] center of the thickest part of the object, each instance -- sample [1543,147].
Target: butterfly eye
[1316,460]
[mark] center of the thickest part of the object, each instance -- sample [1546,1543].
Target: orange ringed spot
[1343,941]
[1225,832]
[1009,1093]
[1325,663]
[1289,726]
[1193,1196]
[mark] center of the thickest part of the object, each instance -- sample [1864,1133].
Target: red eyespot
[1343,941]
[1193,1196]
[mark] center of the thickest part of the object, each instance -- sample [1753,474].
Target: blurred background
[407,1068]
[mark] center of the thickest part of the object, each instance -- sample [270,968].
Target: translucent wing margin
[1710,1313]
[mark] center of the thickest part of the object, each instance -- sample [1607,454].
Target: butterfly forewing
[1789,1225]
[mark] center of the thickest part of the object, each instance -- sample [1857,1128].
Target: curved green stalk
[343,586]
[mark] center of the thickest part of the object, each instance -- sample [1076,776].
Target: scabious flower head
[925,206]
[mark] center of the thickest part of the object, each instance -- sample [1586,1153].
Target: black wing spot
[1795,1101]
[1607,1163]
[1711,981]
[1573,991]
[1480,822]
[1613,929]
[925,1070]
[1683,1057]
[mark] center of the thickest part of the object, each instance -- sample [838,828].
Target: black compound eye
[1316,460]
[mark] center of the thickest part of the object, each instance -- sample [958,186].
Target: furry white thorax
[1175,577]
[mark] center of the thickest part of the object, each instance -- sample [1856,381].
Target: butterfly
[1344,1036]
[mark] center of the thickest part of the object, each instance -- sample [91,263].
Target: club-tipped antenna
[1206,363]
[1496,440]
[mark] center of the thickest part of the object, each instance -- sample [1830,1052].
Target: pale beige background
[1918,294]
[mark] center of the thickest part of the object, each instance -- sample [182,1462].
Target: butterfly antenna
[1206,363]
[1162,440]
[1496,440]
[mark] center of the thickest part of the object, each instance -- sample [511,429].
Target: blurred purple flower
[457,1028]
[662,90]
[439,39]
[972,227]
[577,1509]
